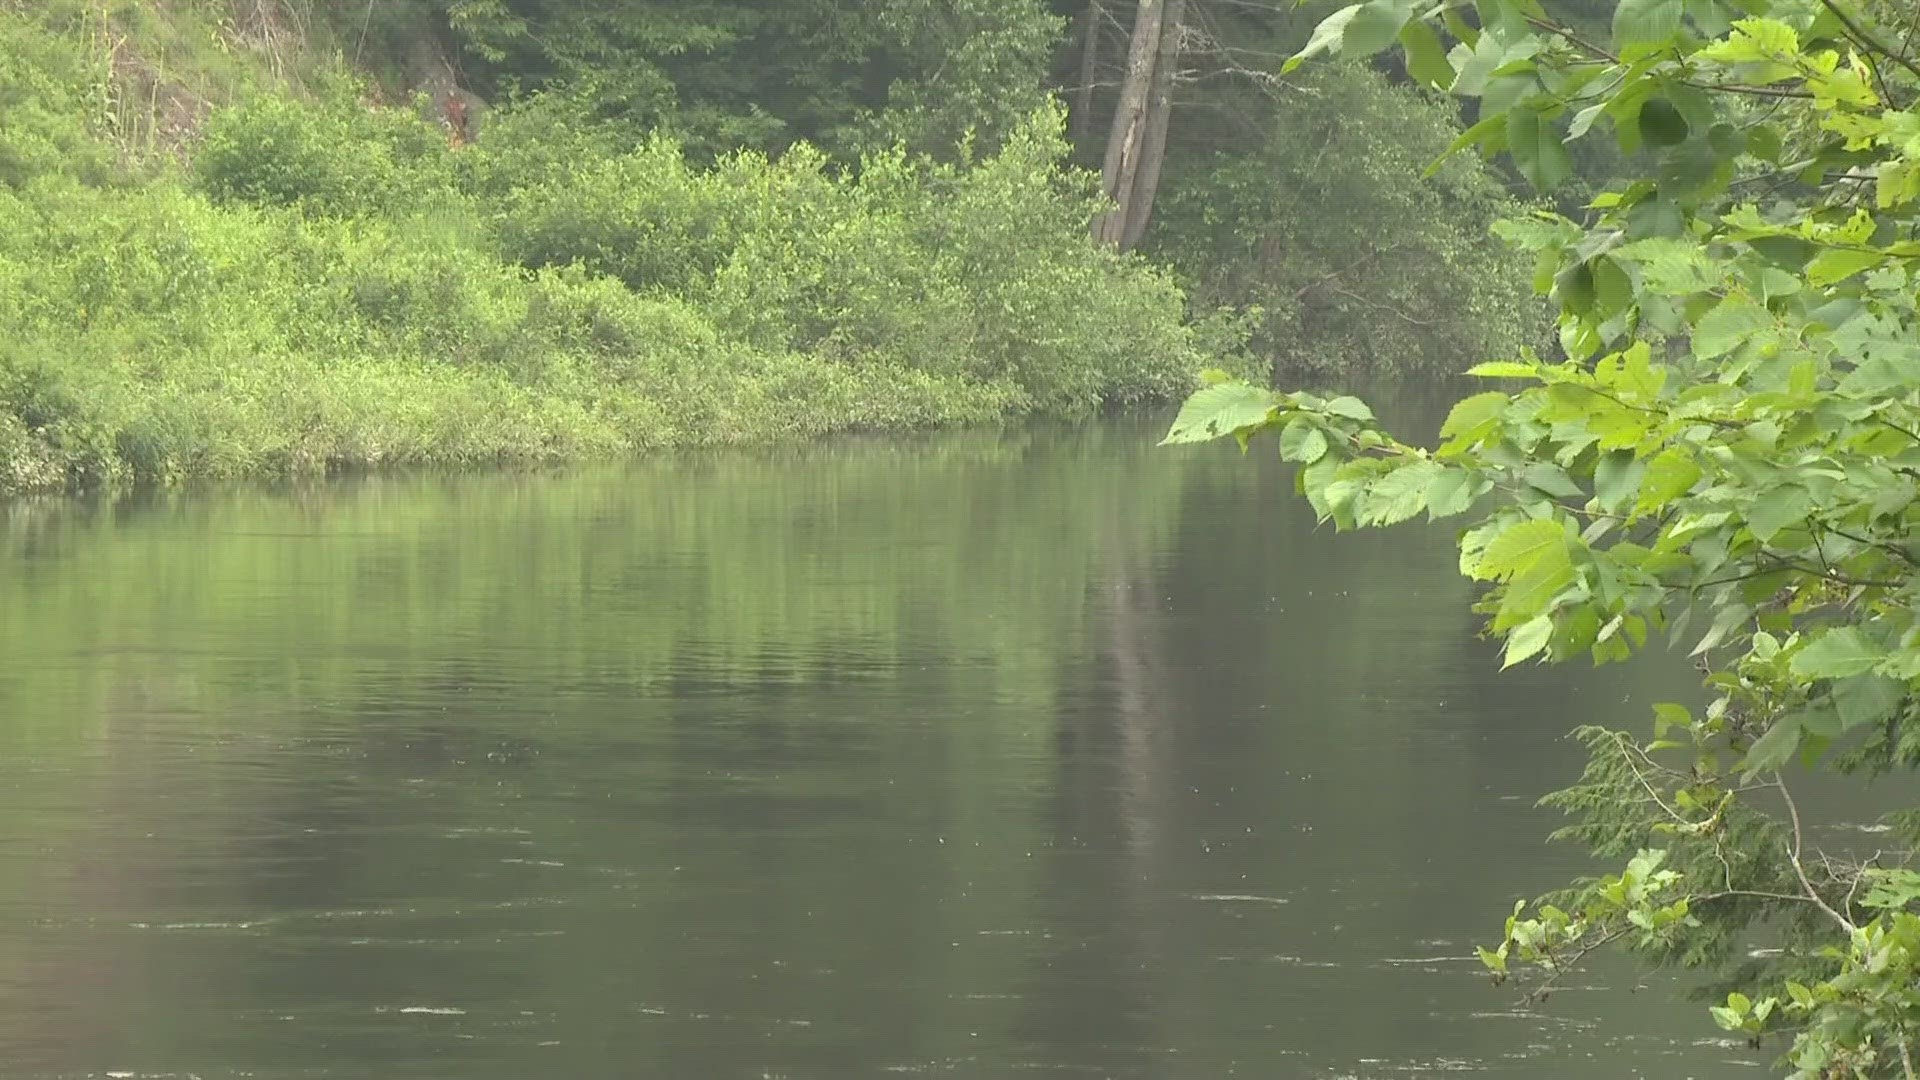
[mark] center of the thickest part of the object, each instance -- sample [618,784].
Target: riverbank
[313,281]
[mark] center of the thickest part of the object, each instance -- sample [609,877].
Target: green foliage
[53,104]
[1314,230]
[329,285]
[981,272]
[330,157]
[725,74]
[1727,457]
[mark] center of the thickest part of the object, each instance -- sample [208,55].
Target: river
[1039,752]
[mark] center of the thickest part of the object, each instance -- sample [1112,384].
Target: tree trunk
[1138,209]
[1126,141]
[1081,123]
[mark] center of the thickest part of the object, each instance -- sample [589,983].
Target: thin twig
[1867,42]
[1793,812]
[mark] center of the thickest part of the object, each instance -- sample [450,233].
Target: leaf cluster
[1725,456]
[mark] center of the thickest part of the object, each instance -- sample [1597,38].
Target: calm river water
[1006,754]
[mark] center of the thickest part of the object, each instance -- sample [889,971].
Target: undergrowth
[307,280]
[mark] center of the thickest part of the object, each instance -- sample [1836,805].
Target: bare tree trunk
[1138,209]
[1127,139]
[1090,34]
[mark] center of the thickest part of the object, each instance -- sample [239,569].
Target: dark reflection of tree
[1097,996]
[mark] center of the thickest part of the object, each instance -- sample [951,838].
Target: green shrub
[328,156]
[52,104]
[981,272]
[329,286]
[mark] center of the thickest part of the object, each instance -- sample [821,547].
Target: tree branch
[1793,853]
[1866,41]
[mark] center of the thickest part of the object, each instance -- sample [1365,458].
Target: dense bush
[326,156]
[52,104]
[982,272]
[327,285]
[1315,227]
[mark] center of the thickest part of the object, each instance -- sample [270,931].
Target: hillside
[255,238]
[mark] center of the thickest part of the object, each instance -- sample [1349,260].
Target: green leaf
[1645,22]
[1669,475]
[1835,265]
[1505,369]
[1837,654]
[1661,124]
[1583,120]
[1375,26]
[1398,495]
[1490,134]
[1452,492]
[1616,477]
[1426,57]
[1671,266]
[1315,480]
[1754,41]
[1727,326]
[1350,407]
[1527,640]
[1470,415]
[1216,411]
[1775,748]
[1788,504]
[1522,547]
[1302,441]
[1326,37]
[1537,150]
[1866,699]
[1534,591]
[1552,479]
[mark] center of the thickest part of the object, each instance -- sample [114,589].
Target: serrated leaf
[1723,329]
[1537,150]
[1775,748]
[1522,547]
[1350,407]
[1527,640]
[1326,37]
[1837,654]
[1669,475]
[1302,441]
[1505,369]
[1426,56]
[1533,591]
[1583,122]
[1661,124]
[1645,22]
[1671,266]
[1835,265]
[1315,479]
[1775,509]
[1398,495]
[1552,479]
[1471,414]
[1866,699]
[1217,411]
[1375,26]
[1452,492]
[1616,478]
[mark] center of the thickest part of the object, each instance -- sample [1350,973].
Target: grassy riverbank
[313,280]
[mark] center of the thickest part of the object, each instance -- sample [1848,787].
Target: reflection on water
[997,754]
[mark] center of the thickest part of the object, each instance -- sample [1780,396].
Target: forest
[295,237]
